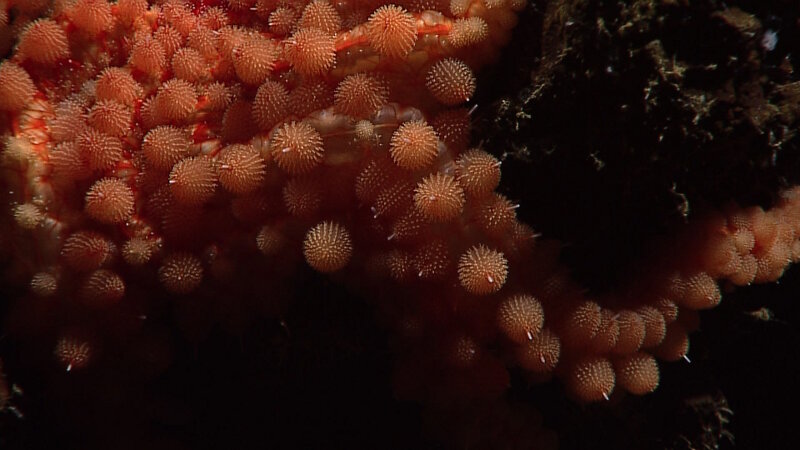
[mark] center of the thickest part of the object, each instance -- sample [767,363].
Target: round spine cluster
[193,181]
[478,172]
[43,42]
[115,83]
[520,318]
[439,198]
[16,87]
[188,64]
[297,148]
[322,15]
[360,95]
[110,200]
[28,216]
[270,105]
[163,146]
[414,145]
[391,31]
[181,273]
[311,51]
[327,247]
[110,117]
[451,81]
[103,287]
[254,58]
[482,270]
[73,353]
[87,250]
[240,169]
[102,151]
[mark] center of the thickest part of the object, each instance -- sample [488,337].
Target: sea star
[206,149]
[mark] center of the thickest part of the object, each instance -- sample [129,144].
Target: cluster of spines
[124,132]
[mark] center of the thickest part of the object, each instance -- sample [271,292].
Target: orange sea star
[162,146]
